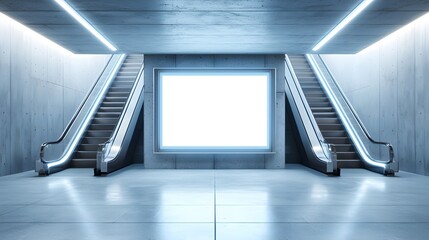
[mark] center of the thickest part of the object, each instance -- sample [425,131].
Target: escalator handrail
[77,112]
[331,147]
[361,125]
[102,146]
[310,115]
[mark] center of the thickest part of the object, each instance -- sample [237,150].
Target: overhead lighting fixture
[85,23]
[424,20]
[364,4]
[33,34]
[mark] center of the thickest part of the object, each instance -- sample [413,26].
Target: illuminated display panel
[214,110]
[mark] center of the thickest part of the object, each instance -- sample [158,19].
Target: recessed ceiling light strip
[85,23]
[364,4]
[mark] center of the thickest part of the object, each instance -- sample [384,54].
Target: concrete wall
[41,86]
[388,84]
[285,146]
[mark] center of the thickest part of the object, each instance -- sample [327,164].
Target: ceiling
[214,26]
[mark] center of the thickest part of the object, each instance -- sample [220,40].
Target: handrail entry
[104,148]
[328,149]
[79,109]
[359,121]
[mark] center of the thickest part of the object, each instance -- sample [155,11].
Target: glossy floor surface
[135,203]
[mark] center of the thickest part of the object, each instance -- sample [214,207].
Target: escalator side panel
[107,115]
[135,151]
[116,153]
[326,117]
[314,156]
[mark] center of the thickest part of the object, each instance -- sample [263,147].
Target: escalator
[327,119]
[334,119]
[107,116]
[99,134]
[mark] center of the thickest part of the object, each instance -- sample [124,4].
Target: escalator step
[338,140]
[306,78]
[324,114]
[130,68]
[85,155]
[322,109]
[350,163]
[94,140]
[105,114]
[128,78]
[315,94]
[317,99]
[310,80]
[98,133]
[127,74]
[136,64]
[305,75]
[108,114]
[328,121]
[347,155]
[310,87]
[117,94]
[330,127]
[110,109]
[304,72]
[102,127]
[88,147]
[310,83]
[122,84]
[106,120]
[112,104]
[126,89]
[301,67]
[295,56]
[115,99]
[83,163]
[334,133]
[297,59]
[345,148]
[134,57]
[320,104]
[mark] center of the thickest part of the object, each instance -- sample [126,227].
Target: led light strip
[33,34]
[342,113]
[88,117]
[85,23]
[364,4]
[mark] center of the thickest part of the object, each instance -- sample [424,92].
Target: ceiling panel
[215,26]
[185,5]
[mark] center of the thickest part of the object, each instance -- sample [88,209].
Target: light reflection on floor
[295,203]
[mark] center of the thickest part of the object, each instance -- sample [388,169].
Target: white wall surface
[388,84]
[41,86]
[286,149]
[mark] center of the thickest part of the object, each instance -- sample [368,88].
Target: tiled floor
[136,203]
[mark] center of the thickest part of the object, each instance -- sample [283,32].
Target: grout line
[379,95]
[414,80]
[214,198]
[233,222]
[9,170]
[415,109]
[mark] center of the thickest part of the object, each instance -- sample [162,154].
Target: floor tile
[169,213]
[322,214]
[322,231]
[107,231]
[138,203]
